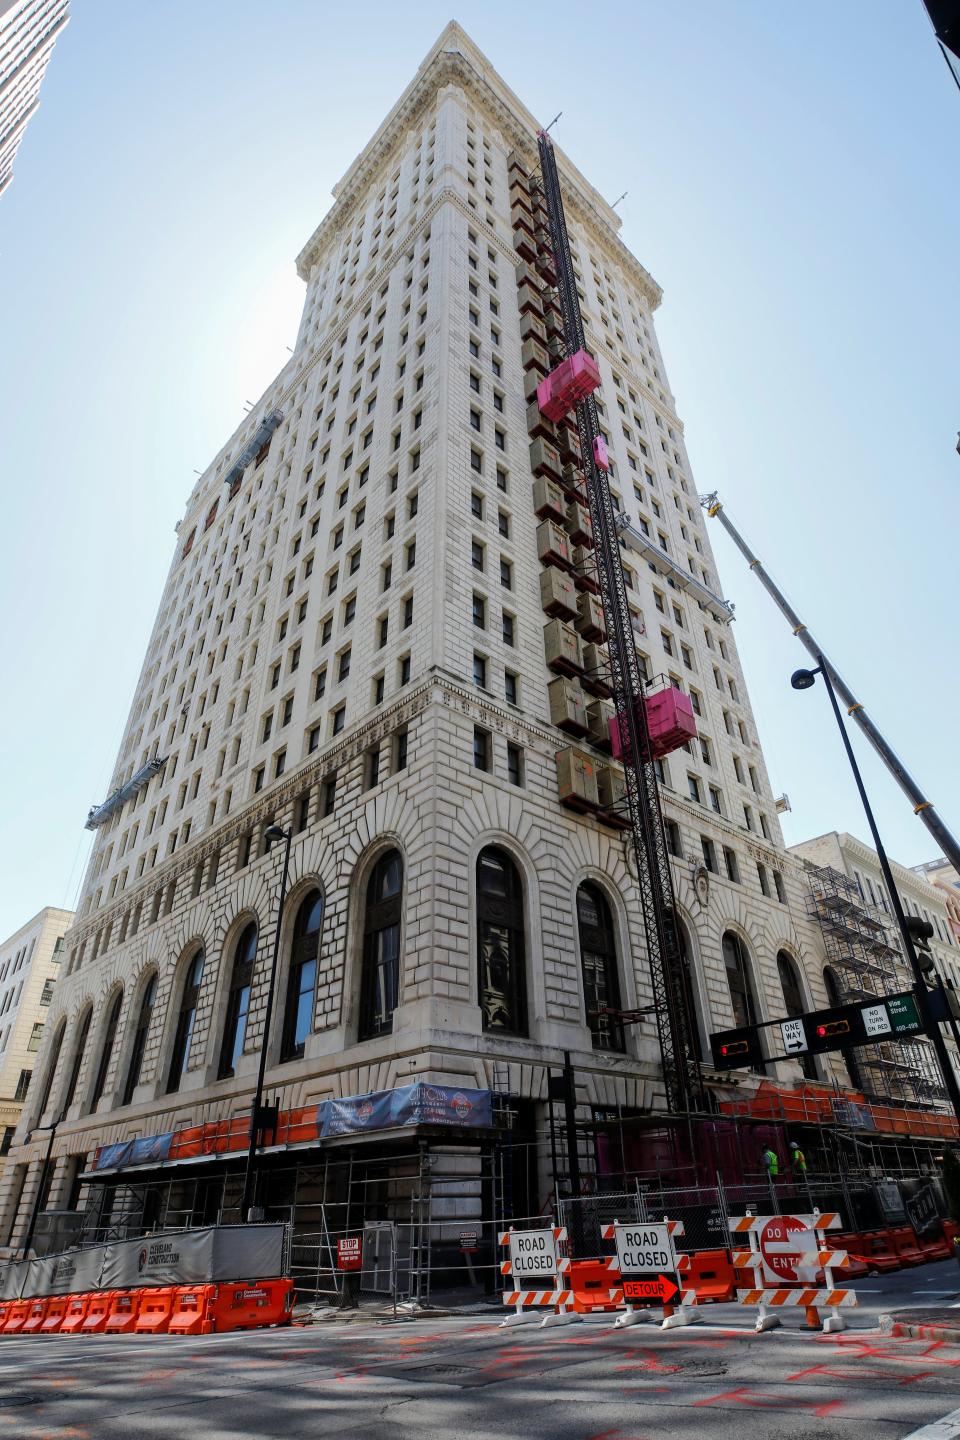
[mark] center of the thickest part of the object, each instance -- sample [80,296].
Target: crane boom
[921,805]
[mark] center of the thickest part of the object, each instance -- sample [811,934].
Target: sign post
[534,1262]
[650,1271]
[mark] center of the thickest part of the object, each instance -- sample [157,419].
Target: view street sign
[648,1262]
[533,1255]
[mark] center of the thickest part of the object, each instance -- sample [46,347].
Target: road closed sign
[533,1255]
[647,1261]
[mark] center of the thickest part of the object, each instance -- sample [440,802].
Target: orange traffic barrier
[98,1313]
[192,1310]
[56,1310]
[34,1321]
[156,1307]
[878,1251]
[76,1314]
[16,1317]
[596,1285]
[904,1242]
[4,1311]
[250,1304]
[856,1267]
[712,1276]
[123,1311]
[936,1248]
[950,1230]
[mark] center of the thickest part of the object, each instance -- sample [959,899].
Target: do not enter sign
[788,1248]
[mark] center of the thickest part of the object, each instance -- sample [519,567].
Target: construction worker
[771,1162]
[798,1160]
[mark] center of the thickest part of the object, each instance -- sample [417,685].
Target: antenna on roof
[617,201]
[553,122]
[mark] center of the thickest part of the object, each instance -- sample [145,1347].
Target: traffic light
[737,1049]
[833,1027]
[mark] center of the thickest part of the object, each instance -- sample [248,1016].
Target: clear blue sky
[792,186]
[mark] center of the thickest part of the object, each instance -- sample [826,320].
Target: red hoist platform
[647,724]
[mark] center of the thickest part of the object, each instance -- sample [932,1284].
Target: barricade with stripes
[558,1303]
[813,1298]
[675,1311]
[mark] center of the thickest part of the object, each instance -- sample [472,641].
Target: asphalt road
[441,1379]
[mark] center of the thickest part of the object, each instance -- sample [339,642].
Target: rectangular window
[371,768]
[693,787]
[509,629]
[479,612]
[762,877]
[730,861]
[674,846]
[480,671]
[400,742]
[778,886]
[403,669]
[709,854]
[510,688]
[716,802]
[328,795]
[514,764]
[481,749]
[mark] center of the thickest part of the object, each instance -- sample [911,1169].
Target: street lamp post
[802,680]
[271,835]
[52,1130]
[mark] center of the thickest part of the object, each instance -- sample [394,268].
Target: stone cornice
[465,66]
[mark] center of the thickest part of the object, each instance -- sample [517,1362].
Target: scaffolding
[863,954]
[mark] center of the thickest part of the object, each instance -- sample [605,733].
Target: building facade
[360,639]
[28,33]
[864,953]
[944,878]
[29,968]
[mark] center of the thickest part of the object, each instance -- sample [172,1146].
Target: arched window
[185,1018]
[302,979]
[598,960]
[106,1049]
[139,1040]
[738,978]
[693,1009]
[500,943]
[794,1003]
[380,980]
[55,1049]
[83,1030]
[238,1003]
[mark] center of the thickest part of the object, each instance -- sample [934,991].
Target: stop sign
[785,1244]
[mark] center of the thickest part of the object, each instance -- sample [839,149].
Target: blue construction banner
[109,1157]
[150,1147]
[417,1104]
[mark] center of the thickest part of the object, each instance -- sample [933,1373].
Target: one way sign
[794,1036]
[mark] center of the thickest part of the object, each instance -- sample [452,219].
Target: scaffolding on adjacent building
[865,960]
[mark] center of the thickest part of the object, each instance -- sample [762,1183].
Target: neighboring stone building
[28,33]
[863,948]
[351,643]
[944,878]
[29,967]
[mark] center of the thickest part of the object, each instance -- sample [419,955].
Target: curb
[904,1330]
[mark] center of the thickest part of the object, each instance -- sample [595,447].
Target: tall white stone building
[29,968]
[28,33]
[352,642]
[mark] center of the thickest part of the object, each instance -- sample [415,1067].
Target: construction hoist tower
[571,384]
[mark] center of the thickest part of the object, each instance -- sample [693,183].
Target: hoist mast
[669,978]
[921,805]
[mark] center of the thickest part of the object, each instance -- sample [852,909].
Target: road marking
[946,1428]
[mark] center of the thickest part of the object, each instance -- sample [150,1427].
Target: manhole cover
[449,1374]
[8,1401]
[701,1367]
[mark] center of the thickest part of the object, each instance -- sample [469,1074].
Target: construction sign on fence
[350,1252]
